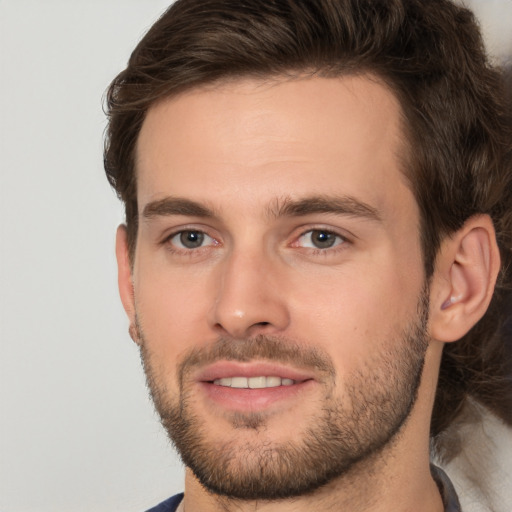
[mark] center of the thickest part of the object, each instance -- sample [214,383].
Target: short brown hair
[430,54]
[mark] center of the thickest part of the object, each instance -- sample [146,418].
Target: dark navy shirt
[448,494]
[169,505]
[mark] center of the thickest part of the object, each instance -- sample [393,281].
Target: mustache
[259,347]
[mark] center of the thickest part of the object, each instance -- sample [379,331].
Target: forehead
[256,139]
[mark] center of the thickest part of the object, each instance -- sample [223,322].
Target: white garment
[482,472]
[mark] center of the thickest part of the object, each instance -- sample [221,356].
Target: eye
[320,239]
[190,239]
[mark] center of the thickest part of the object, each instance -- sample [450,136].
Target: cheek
[357,312]
[172,308]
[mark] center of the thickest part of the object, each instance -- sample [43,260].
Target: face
[278,286]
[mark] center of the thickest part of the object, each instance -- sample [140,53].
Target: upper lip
[226,369]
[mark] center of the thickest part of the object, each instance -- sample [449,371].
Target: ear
[124,280]
[467,267]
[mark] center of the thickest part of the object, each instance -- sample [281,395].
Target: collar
[448,494]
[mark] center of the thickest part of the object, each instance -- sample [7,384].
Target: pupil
[323,240]
[191,239]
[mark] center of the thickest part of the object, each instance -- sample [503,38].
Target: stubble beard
[339,437]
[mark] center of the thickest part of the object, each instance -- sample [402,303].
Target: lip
[226,369]
[246,399]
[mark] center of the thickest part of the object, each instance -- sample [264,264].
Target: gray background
[77,430]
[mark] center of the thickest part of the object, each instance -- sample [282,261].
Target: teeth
[253,382]
[257,382]
[239,382]
[273,382]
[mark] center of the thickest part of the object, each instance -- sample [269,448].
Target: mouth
[252,386]
[261,382]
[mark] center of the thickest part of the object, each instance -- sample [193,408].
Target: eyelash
[339,244]
[184,250]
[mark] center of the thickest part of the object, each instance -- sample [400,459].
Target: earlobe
[125,281]
[463,284]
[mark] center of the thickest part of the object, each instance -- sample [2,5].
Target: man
[317,245]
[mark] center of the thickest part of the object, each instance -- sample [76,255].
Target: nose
[250,297]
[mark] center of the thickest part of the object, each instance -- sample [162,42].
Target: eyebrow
[283,207]
[337,205]
[176,206]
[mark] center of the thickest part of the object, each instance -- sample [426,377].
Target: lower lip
[252,400]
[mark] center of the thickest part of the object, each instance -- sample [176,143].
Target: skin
[243,150]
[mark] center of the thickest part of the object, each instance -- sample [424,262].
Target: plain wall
[77,430]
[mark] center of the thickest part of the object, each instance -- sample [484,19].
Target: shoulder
[169,505]
[481,469]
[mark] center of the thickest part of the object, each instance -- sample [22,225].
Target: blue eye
[190,239]
[320,239]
